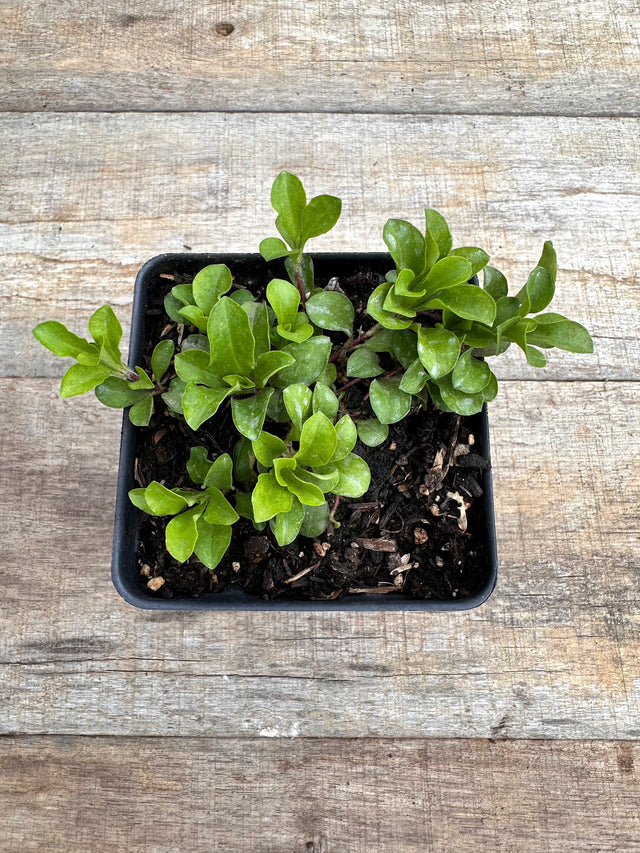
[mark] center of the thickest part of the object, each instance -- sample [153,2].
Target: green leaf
[57,338]
[259,320]
[329,375]
[478,258]
[325,481]
[506,308]
[191,315]
[470,375]
[106,330]
[137,498]
[243,461]
[268,364]
[117,393]
[330,310]
[249,413]
[289,200]
[237,383]
[447,273]
[297,399]
[220,473]
[495,283]
[400,305]
[200,403]
[319,216]
[161,358]
[297,331]
[414,379]
[284,298]
[315,520]
[311,358]
[144,383]
[218,509]
[273,248]
[325,401]
[539,289]
[364,364]
[243,297]
[388,402]
[406,245]
[535,358]
[286,525]
[347,436]
[230,338]
[276,409]
[318,441]
[372,433]
[269,498]
[244,507]
[212,542]
[549,261]
[173,397]
[478,336]
[81,378]
[210,284]
[266,448]
[439,230]
[438,350]
[172,307]
[459,401]
[163,501]
[198,465]
[467,301]
[490,390]
[183,293]
[405,346]
[140,413]
[195,342]
[375,307]
[554,330]
[181,534]
[307,493]
[355,476]
[403,282]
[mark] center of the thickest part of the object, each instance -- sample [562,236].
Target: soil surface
[416,533]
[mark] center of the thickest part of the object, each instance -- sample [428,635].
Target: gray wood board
[89,198]
[553,653]
[355,56]
[70,795]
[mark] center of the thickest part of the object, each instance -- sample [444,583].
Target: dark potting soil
[415,533]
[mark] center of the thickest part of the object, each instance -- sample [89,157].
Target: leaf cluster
[279,366]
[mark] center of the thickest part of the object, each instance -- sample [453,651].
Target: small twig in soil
[389,545]
[374,589]
[303,573]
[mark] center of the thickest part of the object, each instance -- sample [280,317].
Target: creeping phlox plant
[285,379]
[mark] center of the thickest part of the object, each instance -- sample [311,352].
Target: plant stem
[348,385]
[354,343]
[300,283]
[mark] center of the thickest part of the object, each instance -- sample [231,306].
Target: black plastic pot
[125,540]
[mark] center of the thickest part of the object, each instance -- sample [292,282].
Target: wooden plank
[358,55]
[88,198]
[553,653]
[70,795]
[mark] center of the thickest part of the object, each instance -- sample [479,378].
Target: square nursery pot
[125,574]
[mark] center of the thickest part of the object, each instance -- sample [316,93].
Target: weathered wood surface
[71,795]
[342,55]
[553,653]
[88,198]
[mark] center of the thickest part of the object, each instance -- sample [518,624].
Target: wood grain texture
[553,653]
[70,795]
[88,198]
[350,56]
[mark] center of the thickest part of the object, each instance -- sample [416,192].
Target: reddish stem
[348,385]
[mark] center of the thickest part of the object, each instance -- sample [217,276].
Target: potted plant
[311,432]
